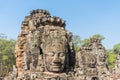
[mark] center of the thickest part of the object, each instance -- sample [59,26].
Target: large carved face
[54,57]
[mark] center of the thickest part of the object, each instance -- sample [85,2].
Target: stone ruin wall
[30,39]
[90,61]
[31,23]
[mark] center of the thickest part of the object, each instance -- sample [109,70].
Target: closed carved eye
[61,54]
[50,54]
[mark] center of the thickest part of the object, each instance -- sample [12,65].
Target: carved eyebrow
[61,53]
[50,53]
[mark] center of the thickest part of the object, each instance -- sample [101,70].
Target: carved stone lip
[55,66]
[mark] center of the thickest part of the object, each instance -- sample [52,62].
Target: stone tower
[91,62]
[44,50]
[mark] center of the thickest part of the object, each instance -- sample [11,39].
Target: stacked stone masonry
[44,51]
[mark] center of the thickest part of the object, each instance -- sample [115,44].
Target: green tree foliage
[111,58]
[7,58]
[86,42]
[116,48]
[112,55]
[78,42]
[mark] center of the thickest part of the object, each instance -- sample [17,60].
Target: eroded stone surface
[91,61]
[44,51]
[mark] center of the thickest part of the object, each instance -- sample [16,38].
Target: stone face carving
[92,61]
[44,51]
[54,57]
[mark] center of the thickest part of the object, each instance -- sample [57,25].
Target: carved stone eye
[50,54]
[61,54]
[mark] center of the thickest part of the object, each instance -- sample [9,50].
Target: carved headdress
[39,30]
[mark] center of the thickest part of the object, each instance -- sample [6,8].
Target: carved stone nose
[56,60]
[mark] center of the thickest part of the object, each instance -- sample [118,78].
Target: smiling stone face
[55,56]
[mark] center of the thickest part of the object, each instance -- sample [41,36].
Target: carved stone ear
[41,52]
[41,46]
[41,49]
